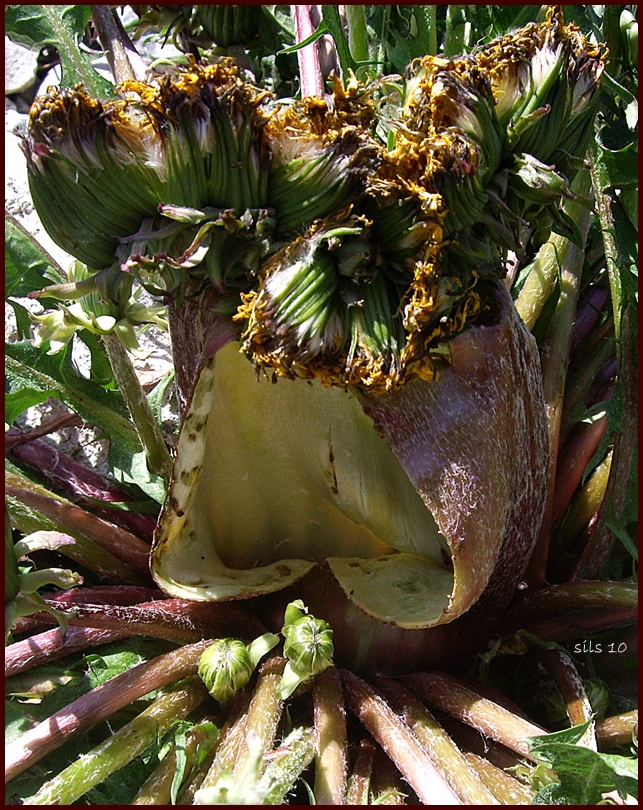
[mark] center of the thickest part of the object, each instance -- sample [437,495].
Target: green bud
[308,645]
[536,182]
[630,35]
[226,666]
[598,695]
[230,25]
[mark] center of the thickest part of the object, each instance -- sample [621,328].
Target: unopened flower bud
[536,182]
[225,667]
[308,646]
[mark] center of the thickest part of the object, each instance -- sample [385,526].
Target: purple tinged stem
[398,741]
[51,645]
[119,542]
[100,703]
[312,83]
[62,470]
[450,695]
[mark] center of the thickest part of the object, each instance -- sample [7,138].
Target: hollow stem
[450,695]
[554,360]
[447,758]
[121,54]
[158,456]
[568,682]
[122,746]
[98,704]
[570,595]
[616,730]
[397,740]
[331,741]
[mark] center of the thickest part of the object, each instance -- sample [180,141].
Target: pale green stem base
[158,456]
[123,746]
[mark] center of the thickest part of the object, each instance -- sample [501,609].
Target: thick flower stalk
[368,283]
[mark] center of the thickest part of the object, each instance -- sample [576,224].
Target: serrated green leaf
[62,26]
[29,367]
[28,266]
[584,775]
[17,402]
[156,397]
[23,321]
[568,736]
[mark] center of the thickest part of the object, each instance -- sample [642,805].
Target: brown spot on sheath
[283,570]
[331,459]
[446,559]
[174,504]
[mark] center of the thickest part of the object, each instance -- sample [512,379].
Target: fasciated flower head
[88,183]
[544,79]
[98,170]
[322,155]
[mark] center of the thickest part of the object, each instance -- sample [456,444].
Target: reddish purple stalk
[99,704]
[172,619]
[312,82]
[587,314]
[574,458]
[51,645]
[119,542]
[63,471]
